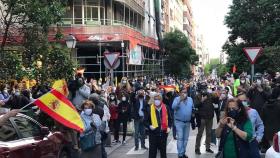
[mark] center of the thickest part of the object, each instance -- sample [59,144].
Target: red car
[23,137]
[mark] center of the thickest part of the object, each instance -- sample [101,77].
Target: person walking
[159,122]
[206,113]
[183,107]
[139,109]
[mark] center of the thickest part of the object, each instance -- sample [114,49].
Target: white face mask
[123,98]
[112,97]
[157,102]
[88,111]
[242,81]
[124,81]
[259,82]
[5,91]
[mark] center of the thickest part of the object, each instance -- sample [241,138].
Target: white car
[274,150]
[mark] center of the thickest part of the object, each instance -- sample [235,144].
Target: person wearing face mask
[82,93]
[235,131]
[159,122]
[244,87]
[93,125]
[257,123]
[222,103]
[113,107]
[124,109]
[257,96]
[206,113]
[4,95]
[183,107]
[123,88]
[139,108]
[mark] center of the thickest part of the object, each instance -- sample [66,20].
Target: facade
[188,23]
[202,53]
[177,14]
[123,26]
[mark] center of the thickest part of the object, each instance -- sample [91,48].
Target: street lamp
[70,41]
[123,58]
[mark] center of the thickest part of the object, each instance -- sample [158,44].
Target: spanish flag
[61,86]
[57,106]
[168,88]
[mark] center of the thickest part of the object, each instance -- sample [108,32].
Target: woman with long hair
[235,131]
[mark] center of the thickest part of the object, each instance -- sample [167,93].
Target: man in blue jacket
[182,106]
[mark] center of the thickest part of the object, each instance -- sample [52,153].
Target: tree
[180,54]
[215,64]
[29,21]
[253,23]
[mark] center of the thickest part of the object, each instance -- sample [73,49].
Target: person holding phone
[183,107]
[235,131]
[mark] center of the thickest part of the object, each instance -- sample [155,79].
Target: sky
[209,16]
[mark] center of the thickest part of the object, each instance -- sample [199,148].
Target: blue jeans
[139,132]
[182,131]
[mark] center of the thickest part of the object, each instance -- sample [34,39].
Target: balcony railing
[97,22]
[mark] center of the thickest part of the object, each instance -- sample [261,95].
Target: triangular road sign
[111,58]
[252,53]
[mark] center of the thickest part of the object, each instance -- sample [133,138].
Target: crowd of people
[246,112]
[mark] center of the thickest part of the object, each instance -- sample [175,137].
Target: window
[8,132]
[26,127]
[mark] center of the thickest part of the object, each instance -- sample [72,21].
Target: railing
[97,22]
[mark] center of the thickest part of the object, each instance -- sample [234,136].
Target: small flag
[234,69]
[60,109]
[61,86]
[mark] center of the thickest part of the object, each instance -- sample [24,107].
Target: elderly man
[183,107]
[159,122]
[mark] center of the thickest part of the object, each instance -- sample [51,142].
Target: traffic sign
[252,53]
[111,58]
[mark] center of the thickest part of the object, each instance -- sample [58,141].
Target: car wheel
[63,154]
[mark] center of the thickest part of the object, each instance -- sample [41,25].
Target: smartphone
[228,120]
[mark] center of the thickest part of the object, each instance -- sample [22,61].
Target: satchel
[87,141]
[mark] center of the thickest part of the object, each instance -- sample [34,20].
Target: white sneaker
[124,142]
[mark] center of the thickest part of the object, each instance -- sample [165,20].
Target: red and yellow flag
[61,109]
[168,88]
[61,86]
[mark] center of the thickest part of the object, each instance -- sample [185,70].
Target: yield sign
[252,53]
[111,58]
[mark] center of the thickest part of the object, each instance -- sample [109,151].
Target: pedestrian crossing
[172,147]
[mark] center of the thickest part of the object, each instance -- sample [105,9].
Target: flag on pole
[60,109]
[61,86]
[234,69]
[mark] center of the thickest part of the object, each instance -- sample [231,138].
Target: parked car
[274,150]
[23,137]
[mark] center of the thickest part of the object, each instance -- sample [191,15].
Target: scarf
[164,117]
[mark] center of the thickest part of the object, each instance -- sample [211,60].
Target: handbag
[87,141]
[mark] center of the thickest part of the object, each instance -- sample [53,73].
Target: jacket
[81,94]
[206,109]
[257,99]
[271,115]
[158,131]
[124,110]
[135,109]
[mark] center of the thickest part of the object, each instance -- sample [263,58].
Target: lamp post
[122,45]
[71,44]
[70,41]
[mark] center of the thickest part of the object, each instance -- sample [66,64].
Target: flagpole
[37,98]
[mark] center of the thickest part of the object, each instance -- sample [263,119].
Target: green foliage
[180,54]
[215,64]
[253,23]
[31,19]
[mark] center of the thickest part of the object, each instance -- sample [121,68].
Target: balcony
[104,31]
[137,5]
